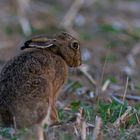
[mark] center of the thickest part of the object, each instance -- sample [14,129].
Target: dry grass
[101,100]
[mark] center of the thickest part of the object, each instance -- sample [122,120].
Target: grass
[9,133]
[109,112]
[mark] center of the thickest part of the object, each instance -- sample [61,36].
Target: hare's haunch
[31,82]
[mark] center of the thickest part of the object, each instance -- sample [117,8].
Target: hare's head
[61,44]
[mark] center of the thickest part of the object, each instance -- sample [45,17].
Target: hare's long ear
[40,43]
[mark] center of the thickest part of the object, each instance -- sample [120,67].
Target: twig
[117,100]
[101,79]
[83,130]
[15,125]
[78,123]
[70,15]
[118,121]
[97,129]
[68,86]
[136,49]
[103,71]
[25,25]
[131,61]
[133,97]
[124,95]
[90,125]
[23,5]
[79,117]
[126,86]
[81,124]
[122,119]
[138,120]
[105,85]
[87,75]
[76,131]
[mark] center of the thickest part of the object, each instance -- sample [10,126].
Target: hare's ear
[40,43]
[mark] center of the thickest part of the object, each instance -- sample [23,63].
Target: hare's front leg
[39,132]
[54,114]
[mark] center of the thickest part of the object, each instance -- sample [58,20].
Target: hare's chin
[74,66]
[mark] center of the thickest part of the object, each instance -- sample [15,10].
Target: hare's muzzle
[76,64]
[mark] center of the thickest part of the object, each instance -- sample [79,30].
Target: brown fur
[30,82]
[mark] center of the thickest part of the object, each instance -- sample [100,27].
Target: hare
[31,81]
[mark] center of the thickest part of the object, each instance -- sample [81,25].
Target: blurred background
[109,32]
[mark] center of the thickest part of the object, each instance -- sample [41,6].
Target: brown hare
[31,82]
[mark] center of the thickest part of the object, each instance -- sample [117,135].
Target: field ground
[101,100]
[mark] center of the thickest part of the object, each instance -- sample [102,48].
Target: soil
[109,35]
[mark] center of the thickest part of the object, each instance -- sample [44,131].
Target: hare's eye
[75,45]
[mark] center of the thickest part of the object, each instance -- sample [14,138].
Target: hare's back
[20,73]
[30,71]
[22,83]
